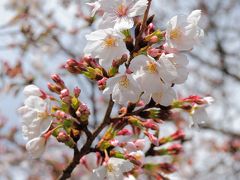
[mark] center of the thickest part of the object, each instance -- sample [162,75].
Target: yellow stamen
[110,168]
[122,10]
[151,67]
[110,41]
[175,33]
[124,81]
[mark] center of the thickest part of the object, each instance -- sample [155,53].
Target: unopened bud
[64,93]
[150,124]
[54,88]
[152,138]
[57,79]
[77,91]
[124,132]
[102,83]
[62,137]
[178,135]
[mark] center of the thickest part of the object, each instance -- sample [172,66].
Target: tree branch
[87,146]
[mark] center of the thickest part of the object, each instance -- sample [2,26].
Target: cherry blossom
[96,6]
[32,90]
[113,169]
[36,146]
[107,45]
[123,88]
[183,31]
[179,62]
[35,118]
[119,13]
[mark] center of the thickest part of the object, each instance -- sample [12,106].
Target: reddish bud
[54,88]
[174,149]
[62,137]
[152,138]
[57,79]
[124,132]
[178,135]
[150,124]
[64,93]
[102,83]
[77,91]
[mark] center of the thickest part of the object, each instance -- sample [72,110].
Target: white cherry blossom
[123,89]
[179,70]
[119,13]
[32,90]
[113,169]
[35,119]
[183,32]
[36,146]
[154,78]
[199,114]
[107,45]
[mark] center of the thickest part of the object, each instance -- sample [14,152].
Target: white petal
[32,90]
[36,147]
[138,8]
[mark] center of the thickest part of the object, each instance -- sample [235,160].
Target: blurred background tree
[37,37]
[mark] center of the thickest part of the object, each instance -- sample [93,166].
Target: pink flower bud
[140,144]
[154,52]
[54,88]
[154,39]
[102,83]
[64,93]
[150,124]
[60,114]
[114,142]
[124,132]
[62,137]
[57,79]
[178,135]
[152,138]
[174,149]
[77,91]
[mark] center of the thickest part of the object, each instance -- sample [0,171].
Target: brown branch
[87,146]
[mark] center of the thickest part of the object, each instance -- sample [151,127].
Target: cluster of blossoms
[137,66]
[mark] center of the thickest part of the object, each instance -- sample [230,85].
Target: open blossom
[113,169]
[36,146]
[123,89]
[35,119]
[107,45]
[32,90]
[153,79]
[199,113]
[119,13]
[179,63]
[183,31]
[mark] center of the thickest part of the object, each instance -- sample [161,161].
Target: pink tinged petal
[36,147]
[32,90]
[91,161]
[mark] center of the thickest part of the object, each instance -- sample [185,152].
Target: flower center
[151,67]
[124,82]
[175,34]
[110,168]
[42,115]
[110,41]
[122,10]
